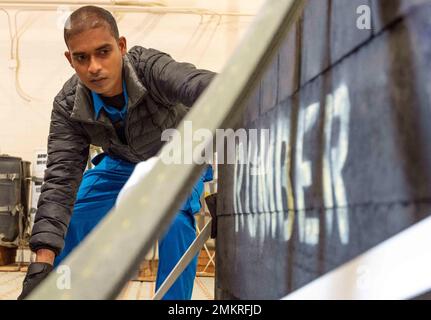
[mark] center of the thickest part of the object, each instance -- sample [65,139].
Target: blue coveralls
[96,196]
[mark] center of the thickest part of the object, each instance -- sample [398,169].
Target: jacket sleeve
[68,148]
[168,81]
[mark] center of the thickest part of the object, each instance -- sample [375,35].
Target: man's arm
[68,148]
[45,256]
[168,81]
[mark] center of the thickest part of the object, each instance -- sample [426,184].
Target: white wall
[24,118]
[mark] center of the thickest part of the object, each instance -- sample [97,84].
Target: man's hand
[37,271]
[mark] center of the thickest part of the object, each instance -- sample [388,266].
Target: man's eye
[80,58]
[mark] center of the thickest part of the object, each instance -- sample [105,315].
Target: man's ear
[69,57]
[122,44]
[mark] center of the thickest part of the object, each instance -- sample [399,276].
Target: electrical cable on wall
[10,31]
[185,49]
[14,36]
[134,3]
[134,7]
[17,36]
[196,38]
[211,37]
[152,24]
[202,32]
[119,7]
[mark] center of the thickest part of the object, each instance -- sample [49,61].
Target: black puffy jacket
[160,91]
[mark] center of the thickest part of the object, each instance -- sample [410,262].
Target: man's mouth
[98,81]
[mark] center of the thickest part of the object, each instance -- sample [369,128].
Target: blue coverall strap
[209,174]
[97,159]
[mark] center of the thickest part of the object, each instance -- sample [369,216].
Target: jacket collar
[83,105]
[98,103]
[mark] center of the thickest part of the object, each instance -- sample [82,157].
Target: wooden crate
[148,271]
[7,256]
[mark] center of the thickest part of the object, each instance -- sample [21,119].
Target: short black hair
[89,17]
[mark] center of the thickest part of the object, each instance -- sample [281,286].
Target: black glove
[211,201]
[36,272]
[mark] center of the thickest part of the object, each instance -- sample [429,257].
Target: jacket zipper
[126,130]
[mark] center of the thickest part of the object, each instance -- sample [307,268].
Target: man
[120,101]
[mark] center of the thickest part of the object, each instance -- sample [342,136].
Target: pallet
[14,267]
[148,269]
[202,263]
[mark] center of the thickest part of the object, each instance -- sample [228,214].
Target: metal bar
[35,179]
[108,257]
[194,248]
[396,269]
[9,176]
[6,209]
[57,5]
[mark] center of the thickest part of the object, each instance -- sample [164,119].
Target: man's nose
[94,67]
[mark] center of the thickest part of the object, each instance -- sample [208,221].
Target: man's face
[97,58]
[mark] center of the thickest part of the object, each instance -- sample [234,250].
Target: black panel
[348,161]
